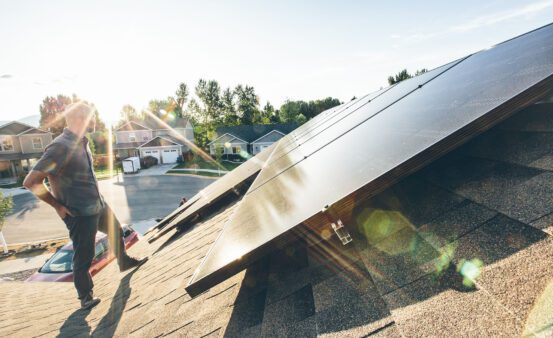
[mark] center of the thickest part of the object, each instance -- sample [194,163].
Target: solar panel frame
[210,194]
[285,157]
[527,86]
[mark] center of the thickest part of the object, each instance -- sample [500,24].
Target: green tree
[289,111]
[51,113]
[314,108]
[157,106]
[91,144]
[402,75]
[247,105]
[194,111]
[268,114]
[229,108]
[128,112]
[181,99]
[6,204]
[209,93]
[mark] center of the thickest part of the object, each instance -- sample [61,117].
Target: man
[74,194]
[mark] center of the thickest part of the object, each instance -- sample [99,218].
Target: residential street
[133,199]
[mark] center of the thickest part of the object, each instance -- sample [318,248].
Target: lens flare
[470,270]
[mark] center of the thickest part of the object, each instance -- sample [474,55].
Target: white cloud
[489,20]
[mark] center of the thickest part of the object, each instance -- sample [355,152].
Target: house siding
[271,137]
[141,136]
[266,140]
[26,141]
[15,142]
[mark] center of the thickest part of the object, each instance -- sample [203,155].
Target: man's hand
[35,183]
[63,211]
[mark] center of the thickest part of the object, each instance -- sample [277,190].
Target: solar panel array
[357,149]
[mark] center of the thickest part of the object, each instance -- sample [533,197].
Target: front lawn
[104,173]
[198,162]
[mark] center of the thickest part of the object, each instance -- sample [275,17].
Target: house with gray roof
[166,141]
[20,146]
[251,139]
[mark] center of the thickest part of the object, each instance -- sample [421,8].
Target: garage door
[170,155]
[154,153]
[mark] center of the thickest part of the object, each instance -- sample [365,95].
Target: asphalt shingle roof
[13,128]
[250,133]
[154,124]
[484,211]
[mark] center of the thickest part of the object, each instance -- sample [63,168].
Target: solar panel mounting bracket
[337,226]
[341,232]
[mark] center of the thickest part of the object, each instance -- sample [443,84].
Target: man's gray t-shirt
[68,163]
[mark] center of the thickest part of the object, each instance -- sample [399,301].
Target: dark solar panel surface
[286,156]
[463,101]
[214,191]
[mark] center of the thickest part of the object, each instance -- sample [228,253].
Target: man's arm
[34,182]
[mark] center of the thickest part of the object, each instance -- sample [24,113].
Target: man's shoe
[131,262]
[89,303]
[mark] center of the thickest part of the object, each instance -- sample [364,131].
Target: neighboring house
[20,146]
[249,138]
[166,142]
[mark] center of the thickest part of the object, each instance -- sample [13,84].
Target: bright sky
[118,52]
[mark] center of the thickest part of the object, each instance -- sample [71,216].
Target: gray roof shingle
[250,133]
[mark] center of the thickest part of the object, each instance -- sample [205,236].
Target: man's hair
[79,110]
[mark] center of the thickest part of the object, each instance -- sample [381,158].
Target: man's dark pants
[82,231]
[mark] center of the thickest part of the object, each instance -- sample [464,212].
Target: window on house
[132,137]
[7,144]
[37,143]
[236,149]
[145,137]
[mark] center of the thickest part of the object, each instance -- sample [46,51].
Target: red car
[59,267]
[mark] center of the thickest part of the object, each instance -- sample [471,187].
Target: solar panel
[456,105]
[212,192]
[286,156]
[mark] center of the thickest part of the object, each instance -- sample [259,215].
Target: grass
[201,173]
[197,162]
[104,173]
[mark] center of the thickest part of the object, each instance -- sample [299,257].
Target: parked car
[59,267]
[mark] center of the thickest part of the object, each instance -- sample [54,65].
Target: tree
[316,107]
[128,112]
[421,71]
[289,111]
[6,205]
[181,98]
[194,111]
[91,144]
[247,105]
[156,106]
[51,113]
[229,108]
[268,114]
[209,93]
[52,109]
[404,75]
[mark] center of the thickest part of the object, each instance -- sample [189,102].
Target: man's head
[79,116]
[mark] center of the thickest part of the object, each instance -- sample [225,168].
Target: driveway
[133,198]
[156,170]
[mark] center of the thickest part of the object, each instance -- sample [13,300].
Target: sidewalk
[14,191]
[156,170]
[21,264]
